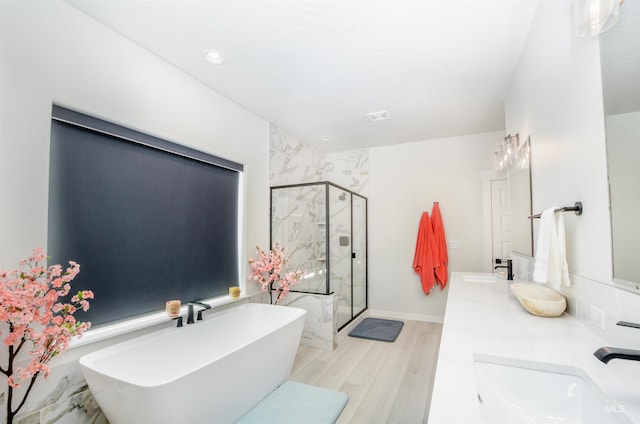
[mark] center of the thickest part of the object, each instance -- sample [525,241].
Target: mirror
[620,61]
[520,204]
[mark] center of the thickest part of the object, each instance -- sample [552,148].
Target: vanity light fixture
[512,153]
[214,57]
[590,18]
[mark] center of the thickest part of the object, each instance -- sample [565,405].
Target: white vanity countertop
[486,318]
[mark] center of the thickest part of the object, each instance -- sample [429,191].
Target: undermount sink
[539,300]
[479,278]
[519,391]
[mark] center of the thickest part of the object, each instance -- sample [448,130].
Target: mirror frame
[526,209]
[619,62]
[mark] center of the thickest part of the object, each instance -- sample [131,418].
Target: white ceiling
[317,67]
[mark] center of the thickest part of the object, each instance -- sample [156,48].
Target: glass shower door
[324,228]
[359,254]
[340,251]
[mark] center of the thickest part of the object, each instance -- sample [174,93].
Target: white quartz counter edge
[487,318]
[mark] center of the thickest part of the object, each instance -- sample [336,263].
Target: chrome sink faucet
[190,310]
[508,266]
[606,353]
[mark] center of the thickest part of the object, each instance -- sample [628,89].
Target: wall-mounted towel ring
[577,208]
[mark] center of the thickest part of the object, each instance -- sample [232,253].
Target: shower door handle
[353,255]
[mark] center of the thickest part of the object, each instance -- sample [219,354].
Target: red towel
[423,259]
[441,257]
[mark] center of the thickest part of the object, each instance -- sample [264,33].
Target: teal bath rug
[297,403]
[384,330]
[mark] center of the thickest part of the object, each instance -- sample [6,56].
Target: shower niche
[324,227]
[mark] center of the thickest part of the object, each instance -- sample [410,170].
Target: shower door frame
[366,255]
[327,185]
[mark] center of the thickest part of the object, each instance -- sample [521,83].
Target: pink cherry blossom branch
[29,305]
[268,268]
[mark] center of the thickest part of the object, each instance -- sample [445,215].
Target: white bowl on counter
[539,300]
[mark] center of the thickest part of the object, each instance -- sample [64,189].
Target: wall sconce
[511,153]
[592,17]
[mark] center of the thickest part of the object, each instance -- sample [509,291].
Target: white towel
[551,260]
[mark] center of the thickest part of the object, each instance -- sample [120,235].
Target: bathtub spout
[179,318]
[190,311]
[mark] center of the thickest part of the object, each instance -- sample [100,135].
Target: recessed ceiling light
[325,138]
[378,116]
[214,56]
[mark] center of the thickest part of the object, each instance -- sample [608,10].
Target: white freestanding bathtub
[212,371]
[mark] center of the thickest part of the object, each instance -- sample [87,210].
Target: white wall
[404,181]
[53,53]
[556,96]
[49,52]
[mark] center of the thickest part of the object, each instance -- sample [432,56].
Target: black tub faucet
[508,266]
[190,311]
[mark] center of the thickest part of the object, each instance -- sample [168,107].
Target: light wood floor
[386,382]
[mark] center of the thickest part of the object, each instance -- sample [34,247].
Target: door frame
[487,251]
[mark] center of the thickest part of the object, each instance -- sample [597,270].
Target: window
[147,219]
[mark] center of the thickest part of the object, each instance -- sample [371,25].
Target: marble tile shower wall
[293,162]
[298,222]
[349,169]
[321,322]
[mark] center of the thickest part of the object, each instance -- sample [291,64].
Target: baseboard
[386,314]
[345,331]
[402,315]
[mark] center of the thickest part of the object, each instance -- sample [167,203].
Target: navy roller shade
[148,220]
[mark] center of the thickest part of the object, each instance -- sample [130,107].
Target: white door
[500,220]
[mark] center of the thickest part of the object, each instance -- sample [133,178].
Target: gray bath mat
[384,330]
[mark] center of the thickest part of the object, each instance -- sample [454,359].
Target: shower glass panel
[324,228]
[340,251]
[359,257]
[298,221]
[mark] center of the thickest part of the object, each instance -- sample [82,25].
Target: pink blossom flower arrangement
[33,316]
[268,269]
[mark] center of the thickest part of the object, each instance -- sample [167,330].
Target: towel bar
[577,208]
